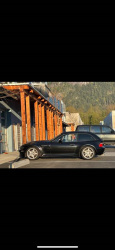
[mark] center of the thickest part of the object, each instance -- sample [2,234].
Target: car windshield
[56,138]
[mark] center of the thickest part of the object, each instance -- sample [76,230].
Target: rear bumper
[100,151]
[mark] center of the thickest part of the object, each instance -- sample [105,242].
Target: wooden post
[55,120]
[40,121]
[52,125]
[43,123]
[36,120]
[61,129]
[23,115]
[58,125]
[28,114]
[72,127]
[48,127]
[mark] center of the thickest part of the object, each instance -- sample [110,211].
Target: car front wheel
[87,153]
[32,153]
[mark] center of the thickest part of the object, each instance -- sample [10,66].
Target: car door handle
[72,144]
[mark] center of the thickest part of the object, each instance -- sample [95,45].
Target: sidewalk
[8,157]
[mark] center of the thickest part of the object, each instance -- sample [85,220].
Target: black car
[81,144]
[106,133]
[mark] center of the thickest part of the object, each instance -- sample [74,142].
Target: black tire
[36,153]
[87,153]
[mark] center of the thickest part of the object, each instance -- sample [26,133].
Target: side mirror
[112,131]
[60,141]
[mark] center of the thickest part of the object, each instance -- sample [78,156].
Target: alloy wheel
[32,153]
[88,153]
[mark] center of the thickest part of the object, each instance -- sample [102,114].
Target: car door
[108,135]
[67,146]
[46,147]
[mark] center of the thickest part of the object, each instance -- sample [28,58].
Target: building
[110,119]
[46,92]
[72,118]
[26,115]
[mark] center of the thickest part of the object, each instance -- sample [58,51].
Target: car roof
[92,125]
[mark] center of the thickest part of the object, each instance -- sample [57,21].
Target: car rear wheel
[32,153]
[87,153]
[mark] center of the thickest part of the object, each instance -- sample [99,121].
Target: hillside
[93,100]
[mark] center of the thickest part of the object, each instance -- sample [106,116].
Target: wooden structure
[45,112]
[72,125]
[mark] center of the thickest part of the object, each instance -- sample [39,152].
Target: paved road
[104,161]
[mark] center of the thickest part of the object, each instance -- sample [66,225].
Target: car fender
[85,146]
[40,149]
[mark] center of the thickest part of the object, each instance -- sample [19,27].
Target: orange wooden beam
[28,114]
[72,127]
[36,120]
[43,123]
[21,87]
[55,122]
[61,128]
[23,115]
[58,124]
[52,125]
[40,121]
[48,126]
[31,91]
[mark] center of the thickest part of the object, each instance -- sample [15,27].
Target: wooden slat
[28,114]
[23,115]
[36,120]
[43,123]
[40,121]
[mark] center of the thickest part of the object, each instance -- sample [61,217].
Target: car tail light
[101,145]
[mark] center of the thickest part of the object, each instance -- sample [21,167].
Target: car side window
[106,130]
[83,128]
[85,137]
[95,129]
[69,138]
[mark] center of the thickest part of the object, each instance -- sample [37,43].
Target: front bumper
[21,153]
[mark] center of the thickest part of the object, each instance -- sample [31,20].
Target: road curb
[19,164]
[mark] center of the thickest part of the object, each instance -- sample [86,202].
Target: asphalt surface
[103,161]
